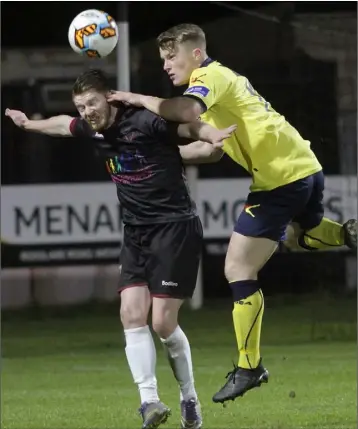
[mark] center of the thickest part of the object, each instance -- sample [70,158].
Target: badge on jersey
[197,79]
[201,91]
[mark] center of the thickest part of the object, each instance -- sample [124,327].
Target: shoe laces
[190,410]
[142,408]
[232,374]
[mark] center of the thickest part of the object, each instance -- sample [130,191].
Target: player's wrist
[151,103]
[33,125]
[27,125]
[204,132]
[142,99]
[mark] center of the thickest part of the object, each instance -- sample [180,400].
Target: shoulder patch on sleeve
[203,91]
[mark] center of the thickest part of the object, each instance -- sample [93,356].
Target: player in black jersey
[162,233]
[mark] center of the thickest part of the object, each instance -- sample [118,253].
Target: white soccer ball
[93,33]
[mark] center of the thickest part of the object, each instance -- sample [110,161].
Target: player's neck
[203,58]
[206,61]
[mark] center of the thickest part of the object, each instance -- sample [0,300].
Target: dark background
[147,19]
[300,87]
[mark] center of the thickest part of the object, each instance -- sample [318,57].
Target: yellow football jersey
[264,143]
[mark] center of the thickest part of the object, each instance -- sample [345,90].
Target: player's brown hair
[91,79]
[181,33]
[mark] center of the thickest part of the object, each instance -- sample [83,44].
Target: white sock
[141,357]
[179,355]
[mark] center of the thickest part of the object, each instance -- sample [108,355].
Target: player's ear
[196,53]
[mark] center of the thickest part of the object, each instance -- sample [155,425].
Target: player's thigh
[268,213]
[135,305]
[246,256]
[165,315]
[260,227]
[312,214]
[263,217]
[133,285]
[172,266]
[132,260]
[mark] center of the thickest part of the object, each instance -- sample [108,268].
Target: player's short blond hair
[170,39]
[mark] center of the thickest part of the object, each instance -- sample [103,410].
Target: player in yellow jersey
[285,199]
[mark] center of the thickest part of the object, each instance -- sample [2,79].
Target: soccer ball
[93,33]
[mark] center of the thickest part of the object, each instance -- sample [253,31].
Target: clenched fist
[19,118]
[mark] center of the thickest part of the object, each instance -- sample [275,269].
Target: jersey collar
[207,62]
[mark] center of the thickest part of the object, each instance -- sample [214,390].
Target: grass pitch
[68,370]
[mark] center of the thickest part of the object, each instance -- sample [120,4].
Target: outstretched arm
[200,153]
[199,130]
[206,88]
[177,109]
[57,126]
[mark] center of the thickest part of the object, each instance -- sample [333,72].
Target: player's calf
[135,304]
[245,257]
[326,235]
[177,347]
[140,349]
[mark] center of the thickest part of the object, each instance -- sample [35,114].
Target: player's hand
[124,97]
[217,137]
[18,118]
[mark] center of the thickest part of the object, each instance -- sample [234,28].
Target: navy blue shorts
[267,213]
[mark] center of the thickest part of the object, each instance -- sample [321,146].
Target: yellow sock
[247,316]
[326,235]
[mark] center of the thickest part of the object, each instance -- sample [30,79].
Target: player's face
[179,63]
[94,108]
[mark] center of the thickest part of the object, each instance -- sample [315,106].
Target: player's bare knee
[164,322]
[293,231]
[291,243]
[165,316]
[246,256]
[133,316]
[164,329]
[236,270]
[135,304]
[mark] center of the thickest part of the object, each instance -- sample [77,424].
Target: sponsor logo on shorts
[169,284]
[249,208]
[199,90]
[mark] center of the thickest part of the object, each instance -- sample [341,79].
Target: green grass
[68,371]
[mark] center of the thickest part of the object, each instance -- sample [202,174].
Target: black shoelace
[232,374]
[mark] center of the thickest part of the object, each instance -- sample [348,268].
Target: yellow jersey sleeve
[207,86]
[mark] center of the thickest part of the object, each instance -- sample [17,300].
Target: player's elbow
[216,155]
[211,155]
[200,153]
